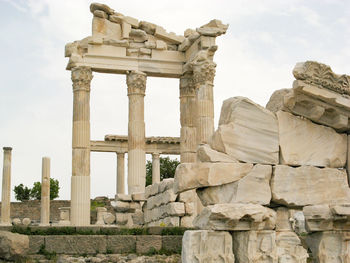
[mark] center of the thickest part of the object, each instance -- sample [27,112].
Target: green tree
[22,193]
[167,169]
[35,193]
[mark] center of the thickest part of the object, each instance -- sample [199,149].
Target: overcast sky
[256,56]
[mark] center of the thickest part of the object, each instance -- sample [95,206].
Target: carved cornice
[81,77]
[203,71]
[322,75]
[136,81]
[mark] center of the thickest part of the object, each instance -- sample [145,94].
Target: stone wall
[31,209]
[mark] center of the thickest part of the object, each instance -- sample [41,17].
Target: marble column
[203,77]
[136,82]
[348,160]
[155,168]
[80,184]
[6,188]
[120,173]
[188,113]
[45,192]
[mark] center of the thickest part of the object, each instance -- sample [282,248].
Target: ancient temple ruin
[270,184]
[123,45]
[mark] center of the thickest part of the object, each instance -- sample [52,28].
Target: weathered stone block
[13,246]
[151,190]
[166,184]
[241,191]
[206,154]
[187,221]
[235,217]
[247,132]
[305,143]
[147,243]
[161,199]
[196,175]
[168,210]
[76,244]
[172,243]
[35,242]
[121,244]
[255,246]
[307,185]
[207,246]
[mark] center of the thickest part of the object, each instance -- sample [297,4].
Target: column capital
[156,155]
[81,77]
[9,149]
[203,71]
[136,81]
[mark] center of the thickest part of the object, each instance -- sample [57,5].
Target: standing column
[188,113]
[203,76]
[348,160]
[45,192]
[80,184]
[6,188]
[155,168]
[120,173]
[136,82]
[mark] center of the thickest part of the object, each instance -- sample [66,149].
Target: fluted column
[348,160]
[136,82]
[203,77]
[155,168]
[45,192]
[120,173]
[188,113]
[6,188]
[80,184]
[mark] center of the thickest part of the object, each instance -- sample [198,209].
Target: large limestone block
[289,248]
[161,199]
[171,209]
[151,190]
[329,246]
[303,142]
[247,132]
[235,217]
[253,188]
[255,246]
[207,154]
[13,246]
[307,185]
[195,175]
[207,246]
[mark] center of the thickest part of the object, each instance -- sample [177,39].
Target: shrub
[22,193]
[35,193]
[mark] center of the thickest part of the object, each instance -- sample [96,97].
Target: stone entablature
[121,43]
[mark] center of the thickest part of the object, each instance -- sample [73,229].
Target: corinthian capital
[81,77]
[136,81]
[203,71]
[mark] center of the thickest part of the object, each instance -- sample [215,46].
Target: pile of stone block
[128,210]
[271,176]
[165,208]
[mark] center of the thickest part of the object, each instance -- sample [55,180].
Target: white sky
[256,56]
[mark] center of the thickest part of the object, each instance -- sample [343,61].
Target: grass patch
[48,255]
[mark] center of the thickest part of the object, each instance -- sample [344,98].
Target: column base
[80,201]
